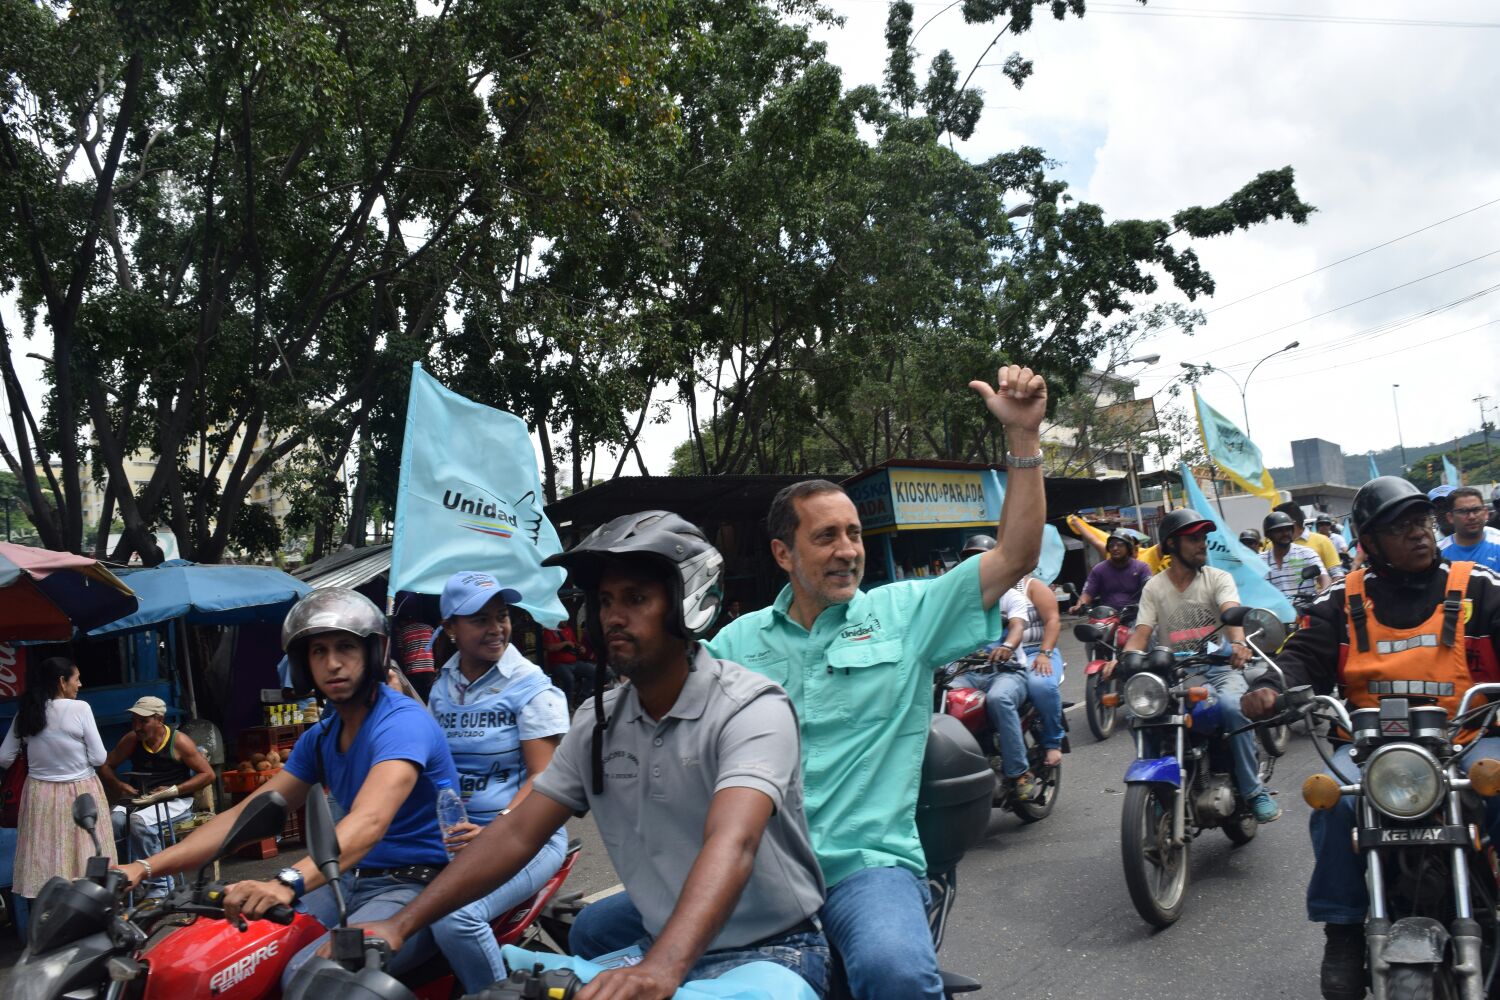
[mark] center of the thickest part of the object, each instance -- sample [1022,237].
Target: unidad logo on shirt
[862,631]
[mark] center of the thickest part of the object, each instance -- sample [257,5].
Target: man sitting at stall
[167,770]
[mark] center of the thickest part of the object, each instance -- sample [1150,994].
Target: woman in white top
[62,750]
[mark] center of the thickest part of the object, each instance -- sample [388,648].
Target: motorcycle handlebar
[280,914]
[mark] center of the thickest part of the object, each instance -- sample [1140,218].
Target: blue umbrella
[206,595]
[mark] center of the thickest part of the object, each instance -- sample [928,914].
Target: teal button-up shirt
[861,682]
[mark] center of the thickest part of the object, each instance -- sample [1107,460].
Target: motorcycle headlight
[1403,781]
[1146,696]
[39,978]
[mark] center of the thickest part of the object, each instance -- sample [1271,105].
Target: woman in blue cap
[502,718]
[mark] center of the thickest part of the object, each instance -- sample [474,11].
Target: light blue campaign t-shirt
[485,721]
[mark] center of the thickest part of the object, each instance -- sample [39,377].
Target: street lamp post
[1484,428]
[1243,387]
[1396,405]
[1135,489]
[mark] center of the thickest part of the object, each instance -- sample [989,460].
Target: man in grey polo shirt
[692,771]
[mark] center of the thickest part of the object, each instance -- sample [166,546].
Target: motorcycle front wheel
[1412,982]
[1102,719]
[1156,872]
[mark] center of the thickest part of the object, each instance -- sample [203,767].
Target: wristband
[1017,462]
[150,872]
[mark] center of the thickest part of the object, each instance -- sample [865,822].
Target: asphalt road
[1042,909]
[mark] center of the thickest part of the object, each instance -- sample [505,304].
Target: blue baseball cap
[467,592]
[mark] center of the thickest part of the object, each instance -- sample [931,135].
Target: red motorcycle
[966,704]
[1104,635]
[86,941]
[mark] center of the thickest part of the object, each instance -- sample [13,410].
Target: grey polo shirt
[730,728]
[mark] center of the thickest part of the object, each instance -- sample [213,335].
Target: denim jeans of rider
[367,900]
[1045,692]
[1229,686]
[613,924]
[1004,695]
[465,935]
[1337,893]
[147,826]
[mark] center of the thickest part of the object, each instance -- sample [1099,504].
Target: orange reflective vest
[1426,662]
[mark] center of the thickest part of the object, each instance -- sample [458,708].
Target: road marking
[603,893]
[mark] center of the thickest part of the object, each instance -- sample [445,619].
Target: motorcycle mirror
[85,812]
[86,817]
[322,836]
[1084,632]
[1262,628]
[1235,615]
[1311,572]
[264,816]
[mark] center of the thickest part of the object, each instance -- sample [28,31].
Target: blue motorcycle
[1180,783]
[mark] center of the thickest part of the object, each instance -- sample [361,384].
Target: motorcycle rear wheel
[1051,781]
[1102,720]
[1156,873]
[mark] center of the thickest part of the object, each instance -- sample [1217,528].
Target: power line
[1368,333]
[1352,256]
[1215,14]
[1366,298]
[1399,350]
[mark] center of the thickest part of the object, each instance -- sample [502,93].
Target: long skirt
[47,842]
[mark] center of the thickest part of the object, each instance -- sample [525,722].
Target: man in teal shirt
[858,667]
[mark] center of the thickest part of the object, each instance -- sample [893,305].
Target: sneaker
[1343,973]
[1027,787]
[1265,808]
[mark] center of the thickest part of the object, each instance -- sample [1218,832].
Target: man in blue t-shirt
[1471,540]
[381,757]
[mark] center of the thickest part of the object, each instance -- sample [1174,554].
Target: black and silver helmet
[694,566]
[334,609]
[977,545]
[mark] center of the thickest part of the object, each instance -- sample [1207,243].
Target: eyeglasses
[1407,525]
[1470,511]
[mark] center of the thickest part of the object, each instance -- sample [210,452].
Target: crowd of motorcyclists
[756,790]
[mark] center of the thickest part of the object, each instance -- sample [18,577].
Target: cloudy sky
[1391,127]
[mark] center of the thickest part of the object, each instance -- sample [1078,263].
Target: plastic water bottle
[450,809]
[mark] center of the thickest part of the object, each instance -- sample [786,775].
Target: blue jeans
[465,935]
[613,924]
[1004,696]
[367,899]
[1045,693]
[146,826]
[1229,686]
[876,919]
[1337,893]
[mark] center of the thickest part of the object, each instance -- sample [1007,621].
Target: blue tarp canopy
[206,595]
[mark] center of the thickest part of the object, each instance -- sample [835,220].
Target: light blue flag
[1450,474]
[1227,553]
[1374,472]
[1349,532]
[1233,452]
[469,498]
[1052,555]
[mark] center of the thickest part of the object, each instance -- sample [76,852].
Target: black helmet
[1293,510]
[1250,537]
[1383,500]
[1276,519]
[1180,520]
[681,550]
[334,609]
[694,566]
[1324,518]
[977,544]
[1120,536]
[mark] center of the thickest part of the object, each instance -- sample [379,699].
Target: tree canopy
[238,225]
